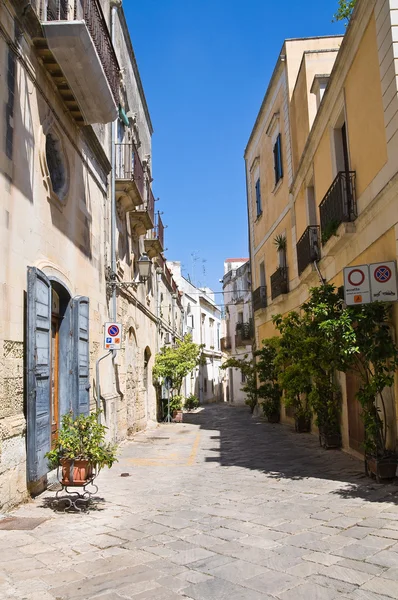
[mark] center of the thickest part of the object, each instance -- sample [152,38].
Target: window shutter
[276,161]
[280,166]
[80,356]
[38,344]
[258,197]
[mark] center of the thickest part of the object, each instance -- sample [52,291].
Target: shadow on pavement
[242,440]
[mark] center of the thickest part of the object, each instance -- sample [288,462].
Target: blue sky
[205,67]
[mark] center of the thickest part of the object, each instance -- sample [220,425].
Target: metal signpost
[113,336]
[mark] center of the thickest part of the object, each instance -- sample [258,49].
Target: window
[243,377]
[56,164]
[278,167]
[262,274]
[258,198]
[205,385]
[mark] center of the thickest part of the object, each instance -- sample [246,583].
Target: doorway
[356,428]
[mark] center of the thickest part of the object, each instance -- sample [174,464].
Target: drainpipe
[116,4]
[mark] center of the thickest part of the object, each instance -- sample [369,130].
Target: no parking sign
[383,277]
[113,336]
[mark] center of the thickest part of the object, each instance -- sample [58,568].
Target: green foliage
[330,229]
[191,402]
[280,242]
[176,403]
[82,438]
[248,369]
[269,389]
[344,11]
[375,361]
[176,362]
[292,363]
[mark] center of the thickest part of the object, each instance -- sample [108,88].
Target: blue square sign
[109,340]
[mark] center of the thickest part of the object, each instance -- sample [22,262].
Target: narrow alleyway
[220,507]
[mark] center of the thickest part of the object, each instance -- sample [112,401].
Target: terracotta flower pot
[177,416]
[76,472]
[381,468]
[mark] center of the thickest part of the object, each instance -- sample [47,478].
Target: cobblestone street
[220,507]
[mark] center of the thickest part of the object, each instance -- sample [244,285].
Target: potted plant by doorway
[80,449]
[176,407]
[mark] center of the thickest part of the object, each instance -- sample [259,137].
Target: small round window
[56,164]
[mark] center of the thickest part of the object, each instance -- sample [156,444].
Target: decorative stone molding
[12,349]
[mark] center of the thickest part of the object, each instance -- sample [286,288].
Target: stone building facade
[237,324]
[71,88]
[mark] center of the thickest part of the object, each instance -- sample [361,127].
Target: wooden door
[54,378]
[356,429]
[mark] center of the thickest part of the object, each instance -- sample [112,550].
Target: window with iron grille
[278,166]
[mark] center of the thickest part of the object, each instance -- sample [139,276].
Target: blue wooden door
[38,344]
[81,355]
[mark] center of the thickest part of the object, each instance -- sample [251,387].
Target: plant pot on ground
[329,438]
[381,468]
[80,449]
[302,423]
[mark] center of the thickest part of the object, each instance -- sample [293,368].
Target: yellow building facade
[326,188]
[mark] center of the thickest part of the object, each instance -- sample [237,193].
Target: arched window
[56,164]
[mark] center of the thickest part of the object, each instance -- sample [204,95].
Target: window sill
[277,186]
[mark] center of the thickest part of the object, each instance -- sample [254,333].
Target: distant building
[237,325]
[202,319]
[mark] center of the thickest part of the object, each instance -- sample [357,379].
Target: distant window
[205,385]
[243,377]
[56,164]
[258,198]
[278,167]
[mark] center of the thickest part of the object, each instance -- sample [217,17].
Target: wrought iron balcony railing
[159,230]
[244,333]
[279,282]
[225,343]
[129,167]
[259,298]
[89,11]
[339,204]
[150,205]
[308,248]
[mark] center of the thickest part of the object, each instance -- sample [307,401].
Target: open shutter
[280,164]
[81,356]
[38,344]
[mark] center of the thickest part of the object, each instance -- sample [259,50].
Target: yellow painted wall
[301,213]
[364,109]
[323,174]
[300,124]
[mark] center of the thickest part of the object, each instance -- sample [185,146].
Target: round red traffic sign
[356,277]
[383,274]
[113,330]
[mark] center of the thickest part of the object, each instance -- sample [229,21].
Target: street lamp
[144,267]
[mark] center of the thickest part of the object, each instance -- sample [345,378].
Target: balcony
[259,298]
[142,219]
[154,243]
[339,205]
[76,49]
[279,282]
[225,343]
[244,334]
[308,248]
[130,178]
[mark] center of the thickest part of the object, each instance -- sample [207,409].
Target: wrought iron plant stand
[71,497]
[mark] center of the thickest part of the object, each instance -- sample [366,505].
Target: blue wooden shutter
[80,356]
[280,164]
[38,344]
[258,197]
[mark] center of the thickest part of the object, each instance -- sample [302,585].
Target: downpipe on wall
[115,5]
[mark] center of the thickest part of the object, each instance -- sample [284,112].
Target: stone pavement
[220,507]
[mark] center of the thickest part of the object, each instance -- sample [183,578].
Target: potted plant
[80,449]
[176,408]
[375,361]
[269,389]
[191,402]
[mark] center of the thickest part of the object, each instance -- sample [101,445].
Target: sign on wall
[383,279]
[113,336]
[357,285]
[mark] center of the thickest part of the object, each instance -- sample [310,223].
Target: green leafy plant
[269,390]
[176,402]
[82,438]
[191,402]
[280,242]
[375,361]
[344,11]
[248,369]
[291,362]
[173,363]
[330,229]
